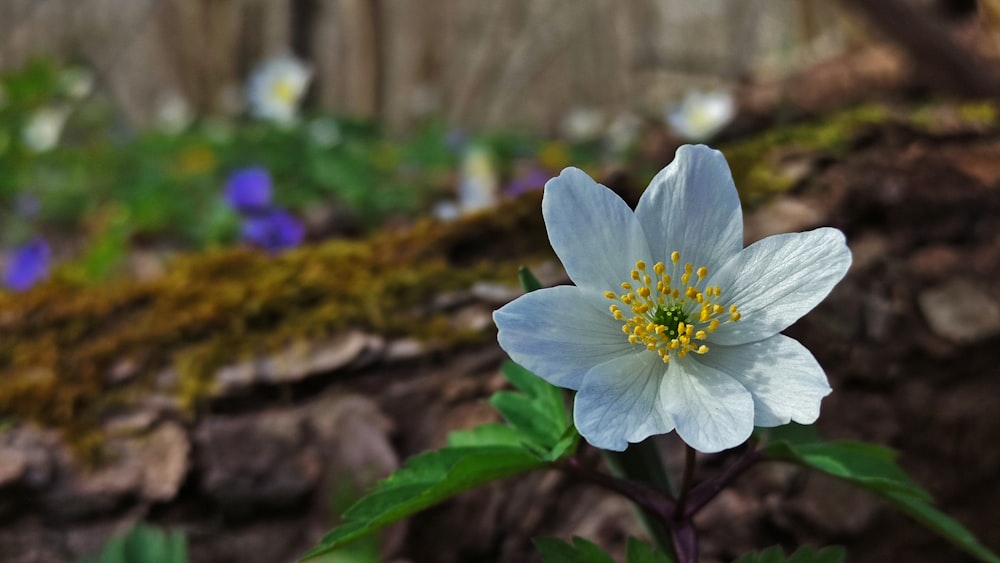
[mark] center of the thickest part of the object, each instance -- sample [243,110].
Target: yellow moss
[60,342]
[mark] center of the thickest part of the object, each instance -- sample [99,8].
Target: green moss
[60,343]
[756,162]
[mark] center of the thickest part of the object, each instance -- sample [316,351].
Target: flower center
[284,91]
[672,314]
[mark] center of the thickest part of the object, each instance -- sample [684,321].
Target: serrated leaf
[874,468]
[555,550]
[774,554]
[637,551]
[425,480]
[539,411]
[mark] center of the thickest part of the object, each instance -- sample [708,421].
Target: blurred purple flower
[249,190]
[273,230]
[27,265]
[532,179]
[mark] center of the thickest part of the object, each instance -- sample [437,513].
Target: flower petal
[777,280]
[619,402]
[593,231]
[785,380]
[692,206]
[560,333]
[712,411]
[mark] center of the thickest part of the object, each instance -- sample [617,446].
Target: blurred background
[286,222]
[124,119]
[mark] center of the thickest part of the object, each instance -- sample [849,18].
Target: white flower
[276,88]
[672,324]
[479,185]
[44,128]
[582,125]
[173,113]
[623,131]
[701,115]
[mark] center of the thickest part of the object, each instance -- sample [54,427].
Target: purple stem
[646,497]
[707,490]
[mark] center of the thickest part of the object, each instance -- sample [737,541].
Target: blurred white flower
[623,131]
[582,125]
[702,114]
[77,82]
[445,210]
[324,131]
[44,128]
[173,113]
[276,88]
[479,185]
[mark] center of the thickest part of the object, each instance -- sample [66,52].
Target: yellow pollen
[671,320]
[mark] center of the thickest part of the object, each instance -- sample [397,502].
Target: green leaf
[874,468]
[538,412]
[832,554]
[554,550]
[143,544]
[528,280]
[425,480]
[637,551]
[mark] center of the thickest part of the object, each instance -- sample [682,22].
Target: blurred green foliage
[143,544]
[106,185]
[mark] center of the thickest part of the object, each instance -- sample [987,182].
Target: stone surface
[164,454]
[961,311]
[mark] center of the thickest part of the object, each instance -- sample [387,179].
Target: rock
[13,466]
[404,349]
[937,261]
[783,215]
[257,461]
[299,361]
[164,456]
[352,436]
[867,250]
[830,505]
[961,311]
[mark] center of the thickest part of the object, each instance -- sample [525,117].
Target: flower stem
[646,497]
[686,482]
[707,490]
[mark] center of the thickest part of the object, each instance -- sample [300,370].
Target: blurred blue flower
[533,178]
[249,190]
[273,230]
[27,265]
